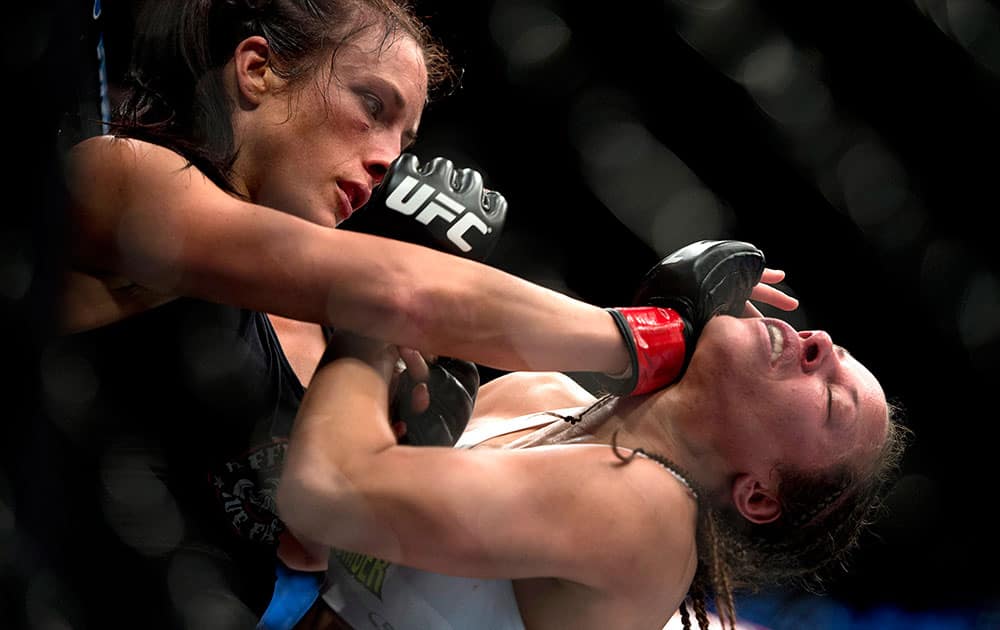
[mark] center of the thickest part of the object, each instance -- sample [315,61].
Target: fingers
[415,363]
[420,398]
[777,298]
[751,311]
[772,276]
[772,296]
[416,366]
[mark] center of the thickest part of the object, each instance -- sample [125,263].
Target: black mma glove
[674,301]
[435,205]
[447,209]
[453,385]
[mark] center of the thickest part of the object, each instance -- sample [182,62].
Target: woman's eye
[373,104]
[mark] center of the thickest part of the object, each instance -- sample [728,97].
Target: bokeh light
[852,141]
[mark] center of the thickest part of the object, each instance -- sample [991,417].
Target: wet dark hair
[823,516]
[175,95]
[822,520]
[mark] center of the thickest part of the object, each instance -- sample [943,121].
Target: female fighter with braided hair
[205,276]
[760,465]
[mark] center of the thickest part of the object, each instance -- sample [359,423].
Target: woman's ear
[757,502]
[251,64]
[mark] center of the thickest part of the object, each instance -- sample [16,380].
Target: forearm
[484,315]
[341,428]
[445,305]
[138,212]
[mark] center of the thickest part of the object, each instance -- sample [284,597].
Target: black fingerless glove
[434,205]
[674,301]
[453,385]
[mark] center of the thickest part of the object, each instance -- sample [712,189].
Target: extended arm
[138,212]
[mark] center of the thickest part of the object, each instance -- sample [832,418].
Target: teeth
[777,342]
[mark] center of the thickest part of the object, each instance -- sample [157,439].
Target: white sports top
[373,594]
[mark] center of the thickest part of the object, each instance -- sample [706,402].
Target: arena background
[855,142]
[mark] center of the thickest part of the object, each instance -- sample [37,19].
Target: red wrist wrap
[660,345]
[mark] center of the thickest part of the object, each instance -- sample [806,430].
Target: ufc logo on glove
[405,200]
[435,205]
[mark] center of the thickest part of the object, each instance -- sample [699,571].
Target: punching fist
[453,385]
[674,301]
[447,209]
[435,205]
[702,280]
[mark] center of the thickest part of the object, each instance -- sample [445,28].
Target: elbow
[302,503]
[290,497]
[324,508]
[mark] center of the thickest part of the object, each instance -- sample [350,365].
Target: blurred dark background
[854,142]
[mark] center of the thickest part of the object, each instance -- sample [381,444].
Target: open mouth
[777,341]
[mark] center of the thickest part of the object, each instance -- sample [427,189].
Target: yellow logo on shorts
[368,571]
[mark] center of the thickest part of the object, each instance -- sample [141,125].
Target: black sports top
[152,493]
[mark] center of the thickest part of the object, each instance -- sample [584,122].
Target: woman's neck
[658,425]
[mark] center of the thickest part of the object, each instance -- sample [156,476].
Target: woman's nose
[816,347]
[376,169]
[380,159]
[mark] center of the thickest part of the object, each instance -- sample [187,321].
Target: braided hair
[822,518]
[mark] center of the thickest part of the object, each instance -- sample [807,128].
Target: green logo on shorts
[368,571]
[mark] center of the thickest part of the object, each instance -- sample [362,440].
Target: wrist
[382,357]
[657,342]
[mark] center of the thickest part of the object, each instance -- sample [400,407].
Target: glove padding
[447,209]
[453,385]
[674,301]
[434,205]
[702,280]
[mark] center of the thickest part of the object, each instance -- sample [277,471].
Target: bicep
[139,211]
[544,512]
[122,197]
